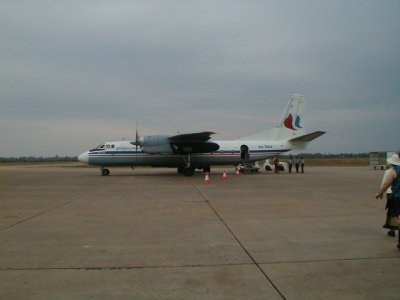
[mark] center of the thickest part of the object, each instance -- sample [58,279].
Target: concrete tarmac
[70,233]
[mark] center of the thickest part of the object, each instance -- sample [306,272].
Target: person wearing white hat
[393,181]
[391,216]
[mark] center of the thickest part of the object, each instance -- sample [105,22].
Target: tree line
[335,155]
[39,159]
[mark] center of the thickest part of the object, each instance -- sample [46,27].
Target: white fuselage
[123,153]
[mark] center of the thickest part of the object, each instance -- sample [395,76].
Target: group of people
[391,185]
[298,163]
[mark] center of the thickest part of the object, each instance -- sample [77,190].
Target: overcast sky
[74,74]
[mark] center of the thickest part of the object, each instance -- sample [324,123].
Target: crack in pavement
[239,242]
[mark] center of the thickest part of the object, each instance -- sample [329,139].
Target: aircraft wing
[188,143]
[307,137]
[197,136]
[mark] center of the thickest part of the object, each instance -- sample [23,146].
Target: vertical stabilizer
[291,124]
[293,116]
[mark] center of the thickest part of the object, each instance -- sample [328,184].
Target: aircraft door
[244,152]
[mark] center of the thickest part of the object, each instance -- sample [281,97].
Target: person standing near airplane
[297,163]
[390,222]
[393,181]
[276,164]
[302,164]
[290,163]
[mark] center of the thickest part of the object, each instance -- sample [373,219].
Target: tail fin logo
[297,122]
[288,123]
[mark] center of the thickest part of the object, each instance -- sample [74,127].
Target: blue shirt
[396,183]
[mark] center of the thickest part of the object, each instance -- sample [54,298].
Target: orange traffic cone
[224,177]
[207,179]
[237,172]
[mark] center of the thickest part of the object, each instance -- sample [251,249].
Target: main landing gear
[187,171]
[105,172]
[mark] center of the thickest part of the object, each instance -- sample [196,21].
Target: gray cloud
[227,66]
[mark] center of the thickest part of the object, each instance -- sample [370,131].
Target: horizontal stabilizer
[307,137]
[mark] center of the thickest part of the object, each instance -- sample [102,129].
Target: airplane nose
[84,157]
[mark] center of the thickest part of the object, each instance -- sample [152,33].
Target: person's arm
[388,182]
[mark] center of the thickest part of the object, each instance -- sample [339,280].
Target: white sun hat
[394,160]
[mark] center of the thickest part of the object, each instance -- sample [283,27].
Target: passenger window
[112,146]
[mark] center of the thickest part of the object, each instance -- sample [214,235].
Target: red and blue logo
[292,124]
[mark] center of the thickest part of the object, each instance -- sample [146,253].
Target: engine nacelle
[155,144]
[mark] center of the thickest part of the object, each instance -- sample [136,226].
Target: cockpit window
[99,147]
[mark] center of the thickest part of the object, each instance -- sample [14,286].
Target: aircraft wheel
[207,169]
[181,170]
[188,171]
[105,172]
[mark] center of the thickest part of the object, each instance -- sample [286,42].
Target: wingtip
[210,132]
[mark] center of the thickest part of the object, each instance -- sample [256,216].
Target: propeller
[136,142]
[137,139]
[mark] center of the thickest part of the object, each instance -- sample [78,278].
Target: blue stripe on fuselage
[227,152]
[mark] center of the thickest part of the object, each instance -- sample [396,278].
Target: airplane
[190,151]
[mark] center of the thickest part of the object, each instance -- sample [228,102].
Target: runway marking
[109,268]
[239,242]
[327,260]
[118,268]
